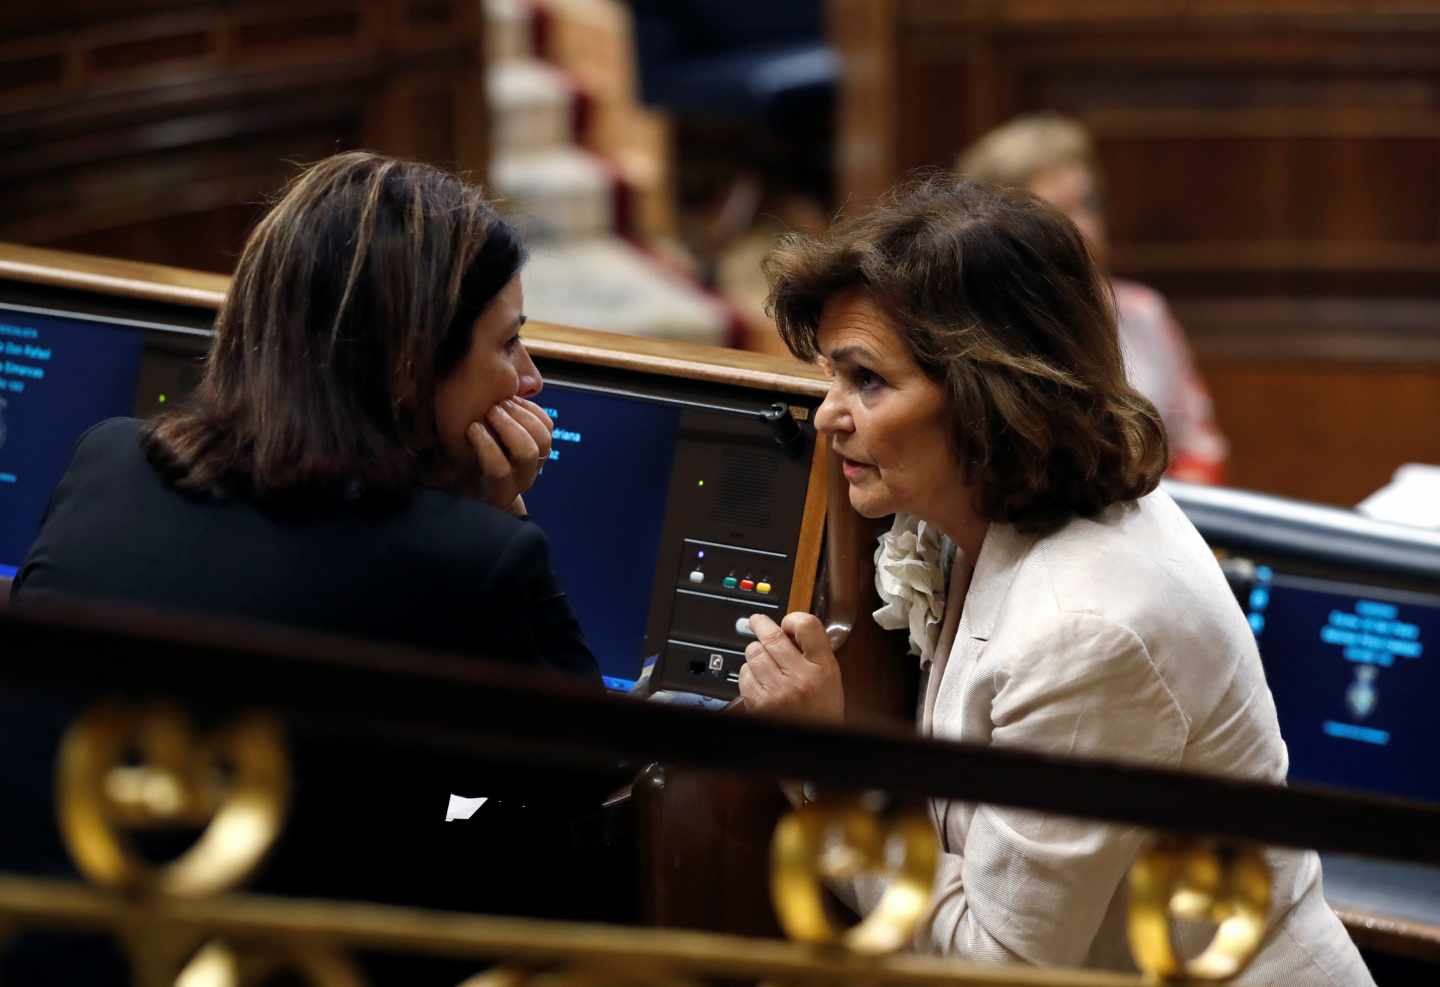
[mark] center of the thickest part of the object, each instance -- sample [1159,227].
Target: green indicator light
[701,483]
[162,399]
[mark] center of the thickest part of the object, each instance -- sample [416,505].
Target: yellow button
[762,587]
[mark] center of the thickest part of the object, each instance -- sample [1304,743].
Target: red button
[747,584]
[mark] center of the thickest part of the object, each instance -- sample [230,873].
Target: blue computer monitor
[674,510]
[1355,684]
[602,501]
[60,373]
[652,480]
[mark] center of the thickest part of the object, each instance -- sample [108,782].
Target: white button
[717,663]
[742,627]
[697,576]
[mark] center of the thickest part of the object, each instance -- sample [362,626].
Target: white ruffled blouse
[912,569]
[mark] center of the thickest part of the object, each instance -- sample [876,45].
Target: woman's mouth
[853,470]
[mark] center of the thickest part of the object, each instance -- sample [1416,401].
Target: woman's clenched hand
[791,669]
[511,445]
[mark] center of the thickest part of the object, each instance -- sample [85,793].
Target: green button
[730,582]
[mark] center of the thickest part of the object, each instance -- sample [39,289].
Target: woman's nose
[830,417]
[531,383]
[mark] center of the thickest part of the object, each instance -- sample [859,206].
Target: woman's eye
[867,380]
[511,343]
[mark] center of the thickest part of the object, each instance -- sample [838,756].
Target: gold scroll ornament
[1197,881]
[218,964]
[575,977]
[124,769]
[821,841]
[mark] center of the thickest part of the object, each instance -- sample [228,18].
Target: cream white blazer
[1115,637]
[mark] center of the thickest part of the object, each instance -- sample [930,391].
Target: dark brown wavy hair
[354,298]
[999,301]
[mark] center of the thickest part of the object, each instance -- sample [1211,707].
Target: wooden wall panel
[156,131]
[1323,430]
[1272,167]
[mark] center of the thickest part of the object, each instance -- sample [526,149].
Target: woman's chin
[868,505]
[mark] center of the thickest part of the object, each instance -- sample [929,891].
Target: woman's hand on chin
[511,445]
[790,669]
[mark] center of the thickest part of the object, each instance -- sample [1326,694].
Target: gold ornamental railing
[128,765]
[315,938]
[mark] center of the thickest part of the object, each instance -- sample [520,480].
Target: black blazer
[442,572]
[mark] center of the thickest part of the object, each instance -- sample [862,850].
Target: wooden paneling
[156,131]
[1321,430]
[1272,167]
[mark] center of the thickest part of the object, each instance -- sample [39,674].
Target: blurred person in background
[1054,157]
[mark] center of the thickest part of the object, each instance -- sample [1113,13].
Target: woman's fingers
[750,689]
[808,633]
[767,673]
[520,446]
[534,420]
[776,643]
[493,461]
[498,484]
[790,668]
[537,411]
[511,444]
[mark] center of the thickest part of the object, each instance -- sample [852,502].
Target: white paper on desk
[463,808]
[1411,497]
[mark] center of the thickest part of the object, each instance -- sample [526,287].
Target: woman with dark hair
[353,461]
[1058,601]
[355,455]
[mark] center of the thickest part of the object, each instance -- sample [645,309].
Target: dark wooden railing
[460,705]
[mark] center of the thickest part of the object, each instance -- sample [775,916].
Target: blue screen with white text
[59,375]
[601,500]
[1354,683]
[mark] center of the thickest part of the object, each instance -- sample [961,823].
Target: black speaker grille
[747,486]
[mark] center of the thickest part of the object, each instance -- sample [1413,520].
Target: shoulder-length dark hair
[353,299]
[999,301]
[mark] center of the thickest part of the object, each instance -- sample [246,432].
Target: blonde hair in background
[1014,153]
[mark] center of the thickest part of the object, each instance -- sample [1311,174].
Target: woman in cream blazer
[1115,636]
[1058,602]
